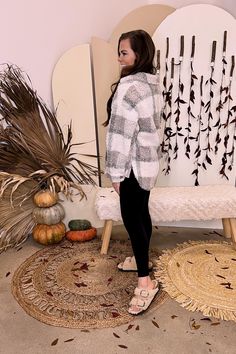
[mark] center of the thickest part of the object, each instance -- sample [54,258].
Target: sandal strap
[137,301]
[129,262]
[141,292]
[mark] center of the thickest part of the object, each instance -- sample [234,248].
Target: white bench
[174,204]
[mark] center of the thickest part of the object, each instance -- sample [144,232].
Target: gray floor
[20,333]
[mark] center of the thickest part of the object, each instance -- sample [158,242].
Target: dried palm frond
[16,219]
[34,154]
[31,138]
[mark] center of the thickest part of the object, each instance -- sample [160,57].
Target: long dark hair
[142,45]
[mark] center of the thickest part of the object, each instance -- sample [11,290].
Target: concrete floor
[179,332]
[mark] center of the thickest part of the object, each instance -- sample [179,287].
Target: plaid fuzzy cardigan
[132,141]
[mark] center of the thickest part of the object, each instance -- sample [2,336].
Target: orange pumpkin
[81,235]
[45,198]
[48,234]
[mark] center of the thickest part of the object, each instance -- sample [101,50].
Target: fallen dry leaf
[84,266]
[79,285]
[173,316]
[84,330]
[129,327]
[115,314]
[217,233]
[215,323]
[137,328]
[77,262]
[116,335]
[54,342]
[220,276]
[155,324]
[195,326]
[8,273]
[122,346]
[109,280]
[69,340]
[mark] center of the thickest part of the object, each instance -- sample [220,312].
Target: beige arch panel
[72,88]
[106,71]
[146,17]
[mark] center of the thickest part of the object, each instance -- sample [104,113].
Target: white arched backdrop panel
[207,23]
[73,87]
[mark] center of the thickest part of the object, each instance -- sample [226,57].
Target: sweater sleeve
[121,131]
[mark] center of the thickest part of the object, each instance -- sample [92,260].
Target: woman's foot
[143,295]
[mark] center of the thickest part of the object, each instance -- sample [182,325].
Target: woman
[132,146]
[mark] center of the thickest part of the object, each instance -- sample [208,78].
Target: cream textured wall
[34,34]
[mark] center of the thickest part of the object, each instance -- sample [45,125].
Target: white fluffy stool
[174,204]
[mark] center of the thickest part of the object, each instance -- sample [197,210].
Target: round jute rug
[73,285]
[201,276]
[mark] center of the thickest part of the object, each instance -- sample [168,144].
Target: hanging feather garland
[167,147]
[191,100]
[165,79]
[198,151]
[166,96]
[230,110]
[214,125]
[179,100]
[223,88]
[208,106]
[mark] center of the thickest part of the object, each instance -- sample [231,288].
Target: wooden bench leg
[106,235]
[233,231]
[227,228]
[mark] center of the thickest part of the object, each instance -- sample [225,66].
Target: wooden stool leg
[106,235]
[233,231]
[227,228]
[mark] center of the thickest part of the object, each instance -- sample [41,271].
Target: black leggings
[137,221]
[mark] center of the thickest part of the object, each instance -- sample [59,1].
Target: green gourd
[79,224]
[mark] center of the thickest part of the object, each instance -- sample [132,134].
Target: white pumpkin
[49,216]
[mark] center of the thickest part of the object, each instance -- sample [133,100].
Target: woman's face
[126,54]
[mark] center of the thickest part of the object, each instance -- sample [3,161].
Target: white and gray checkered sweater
[132,140]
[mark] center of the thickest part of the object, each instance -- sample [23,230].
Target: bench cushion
[175,203]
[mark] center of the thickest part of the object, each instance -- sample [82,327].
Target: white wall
[228,5]
[34,34]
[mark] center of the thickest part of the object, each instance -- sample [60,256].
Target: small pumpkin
[45,198]
[49,234]
[49,216]
[81,235]
[79,224]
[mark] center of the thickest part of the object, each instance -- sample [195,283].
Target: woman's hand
[116,186]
